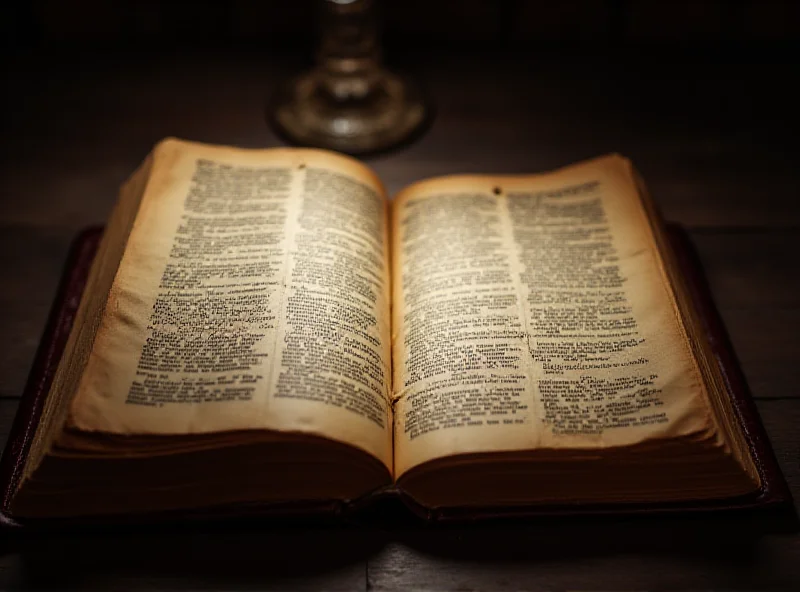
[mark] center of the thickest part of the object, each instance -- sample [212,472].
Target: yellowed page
[534,312]
[253,294]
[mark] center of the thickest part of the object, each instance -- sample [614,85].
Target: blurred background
[687,88]
[710,24]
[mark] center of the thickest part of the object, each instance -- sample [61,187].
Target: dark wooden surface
[716,142]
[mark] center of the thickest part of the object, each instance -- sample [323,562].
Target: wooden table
[714,140]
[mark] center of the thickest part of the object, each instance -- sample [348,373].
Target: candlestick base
[306,113]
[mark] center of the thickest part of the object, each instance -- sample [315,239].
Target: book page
[253,294]
[534,313]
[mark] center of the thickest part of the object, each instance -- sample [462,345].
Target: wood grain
[309,559]
[32,260]
[751,276]
[706,165]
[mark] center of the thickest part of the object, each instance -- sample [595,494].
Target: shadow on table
[253,555]
[240,558]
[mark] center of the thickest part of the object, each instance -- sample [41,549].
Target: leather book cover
[53,341]
[773,494]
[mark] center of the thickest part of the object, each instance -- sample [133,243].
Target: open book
[267,326]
